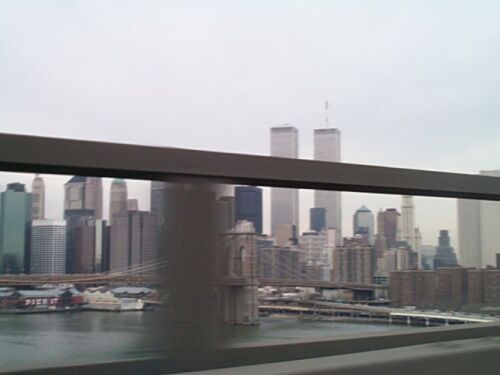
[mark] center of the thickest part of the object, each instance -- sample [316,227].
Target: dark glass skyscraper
[248,205]
[317,218]
[363,224]
[15,218]
[91,246]
[82,201]
[74,218]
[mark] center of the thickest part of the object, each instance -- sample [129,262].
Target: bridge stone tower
[238,266]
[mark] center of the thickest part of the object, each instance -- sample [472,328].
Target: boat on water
[108,301]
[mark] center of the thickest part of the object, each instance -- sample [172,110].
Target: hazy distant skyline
[410,84]
[428,218]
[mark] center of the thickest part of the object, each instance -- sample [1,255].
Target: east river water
[46,340]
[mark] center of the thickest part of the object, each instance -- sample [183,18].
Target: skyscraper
[490,224]
[91,246]
[248,205]
[38,198]
[285,235]
[478,230]
[84,193]
[318,251]
[284,201]
[317,218]
[133,204]
[48,246]
[80,202]
[363,224]
[408,211]
[389,224]
[469,233]
[93,196]
[418,239]
[74,193]
[74,218]
[117,199]
[353,263]
[15,217]
[327,148]
[158,197]
[445,256]
[134,243]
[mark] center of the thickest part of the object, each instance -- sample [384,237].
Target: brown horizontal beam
[21,153]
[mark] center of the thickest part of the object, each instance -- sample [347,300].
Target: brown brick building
[491,287]
[353,264]
[445,288]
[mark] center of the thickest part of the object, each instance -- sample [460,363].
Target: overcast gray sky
[410,83]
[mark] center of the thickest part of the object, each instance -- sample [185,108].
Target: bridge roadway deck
[94,278]
[102,278]
[372,312]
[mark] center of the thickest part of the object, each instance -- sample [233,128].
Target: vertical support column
[189,245]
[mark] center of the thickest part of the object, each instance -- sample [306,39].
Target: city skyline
[86,194]
[82,230]
[426,215]
[442,116]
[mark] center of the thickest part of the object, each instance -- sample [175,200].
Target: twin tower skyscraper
[284,201]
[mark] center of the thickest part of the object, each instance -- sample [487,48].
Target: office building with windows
[363,224]
[117,199]
[284,201]
[408,221]
[478,232]
[38,198]
[48,247]
[91,246]
[134,243]
[327,148]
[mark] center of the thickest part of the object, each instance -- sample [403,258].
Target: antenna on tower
[326,114]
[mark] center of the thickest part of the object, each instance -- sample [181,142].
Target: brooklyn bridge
[157,280]
[236,276]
